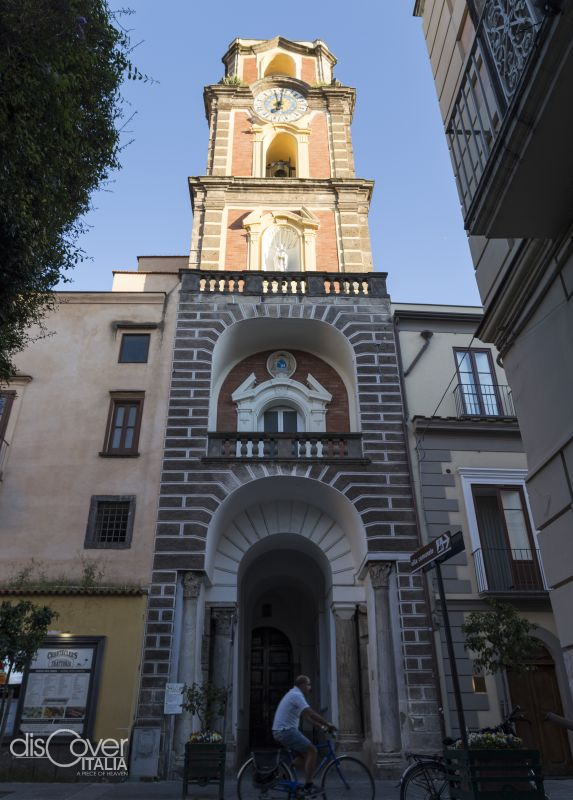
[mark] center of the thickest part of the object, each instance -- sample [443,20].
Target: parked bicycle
[273,776]
[427,779]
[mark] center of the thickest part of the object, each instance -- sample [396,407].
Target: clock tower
[280,192]
[286,513]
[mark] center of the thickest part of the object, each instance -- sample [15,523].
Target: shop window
[134,348]
[123,425]
[110,522]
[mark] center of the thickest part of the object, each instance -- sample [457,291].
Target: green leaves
[61,68]
[205,701]
[23,627]
[499,639]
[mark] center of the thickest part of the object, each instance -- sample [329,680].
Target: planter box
[204,764]
[494,774]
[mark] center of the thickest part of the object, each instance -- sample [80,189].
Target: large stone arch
[298,508]
[244,338]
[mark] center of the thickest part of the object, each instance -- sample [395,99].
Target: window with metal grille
[110,521]
[123,425]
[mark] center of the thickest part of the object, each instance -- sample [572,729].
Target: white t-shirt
[289,710]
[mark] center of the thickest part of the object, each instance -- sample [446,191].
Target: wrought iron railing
[505,38]
[509,570]
[277,446]
[484,401]
[314,284]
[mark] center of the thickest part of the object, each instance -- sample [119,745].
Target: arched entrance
[284,629]
[537,692]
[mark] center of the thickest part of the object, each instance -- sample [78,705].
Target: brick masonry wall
[242,162]
[326,243]
[337,416]
[318,150]
[308,72]
[249,69]
[191,490]
[236,248]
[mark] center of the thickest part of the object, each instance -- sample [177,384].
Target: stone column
[387,686]
[192,582]
[348,676]
[221,666]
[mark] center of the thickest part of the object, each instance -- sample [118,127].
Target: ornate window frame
[254,399]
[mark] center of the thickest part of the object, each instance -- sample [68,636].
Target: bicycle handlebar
[557,720]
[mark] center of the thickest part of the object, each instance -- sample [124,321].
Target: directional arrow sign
[440,549]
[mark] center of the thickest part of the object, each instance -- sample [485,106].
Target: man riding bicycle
[290,710]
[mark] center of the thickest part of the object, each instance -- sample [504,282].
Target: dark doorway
[537,692]
[271,677]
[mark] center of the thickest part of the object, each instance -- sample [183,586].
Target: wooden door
[537,692]
[271,677]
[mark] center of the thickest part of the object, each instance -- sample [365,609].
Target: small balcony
[491,401]
[509,571]
[255,446]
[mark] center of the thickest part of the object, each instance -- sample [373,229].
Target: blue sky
[415,219]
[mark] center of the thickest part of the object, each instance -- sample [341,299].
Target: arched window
[281,157]
[281,64]
[281,419]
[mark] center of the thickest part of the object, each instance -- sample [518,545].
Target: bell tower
[280,193]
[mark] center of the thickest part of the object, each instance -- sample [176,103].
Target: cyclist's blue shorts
[293,739]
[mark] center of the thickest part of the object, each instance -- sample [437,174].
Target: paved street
[170,790]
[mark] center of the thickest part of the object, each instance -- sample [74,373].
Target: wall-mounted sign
[438,550]
[173,698]
[58,688]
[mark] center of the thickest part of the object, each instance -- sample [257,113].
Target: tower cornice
[224,96]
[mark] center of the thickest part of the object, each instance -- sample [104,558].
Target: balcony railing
[310,284]
[279,446]
[509,570]
[505,38]
[484,401]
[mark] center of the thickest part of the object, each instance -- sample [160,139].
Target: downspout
[427,594]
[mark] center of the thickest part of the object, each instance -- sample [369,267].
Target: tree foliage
[61,66]
[499,638]
[206,701]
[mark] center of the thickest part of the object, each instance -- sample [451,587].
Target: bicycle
[427,777]
[268,776]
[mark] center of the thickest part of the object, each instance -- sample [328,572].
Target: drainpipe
[427,335]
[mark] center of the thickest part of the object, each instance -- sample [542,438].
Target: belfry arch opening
[281,157]
[281,64]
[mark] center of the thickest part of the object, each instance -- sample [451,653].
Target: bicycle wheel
[250,789]
[427,781]
[349,778]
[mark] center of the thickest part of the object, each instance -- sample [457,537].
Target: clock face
[280,105]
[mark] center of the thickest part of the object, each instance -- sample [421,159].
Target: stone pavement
[171,790]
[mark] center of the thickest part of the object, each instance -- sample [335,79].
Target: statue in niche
[281,259]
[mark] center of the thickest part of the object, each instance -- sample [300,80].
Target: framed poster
[60,687]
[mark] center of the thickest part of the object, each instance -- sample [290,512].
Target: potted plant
[495,761]
[205,750]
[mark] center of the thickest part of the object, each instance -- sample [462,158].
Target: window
[478,391]
[281,420]
[110,521]
[507,556]
[134,348]
[6,400]
[123,425]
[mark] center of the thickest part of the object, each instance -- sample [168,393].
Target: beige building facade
[469,469]
[503,74]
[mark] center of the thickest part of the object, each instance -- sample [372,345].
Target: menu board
[57,689]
